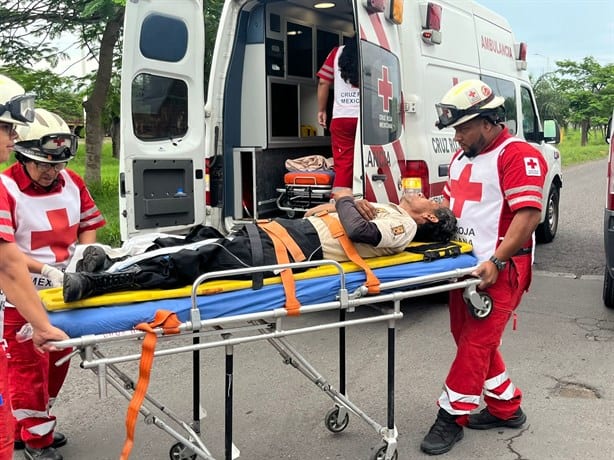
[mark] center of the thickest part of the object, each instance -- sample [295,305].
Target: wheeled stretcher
[220,313]
[303,190]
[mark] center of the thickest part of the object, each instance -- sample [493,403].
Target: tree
[551,103]
[588,87]
[26,29]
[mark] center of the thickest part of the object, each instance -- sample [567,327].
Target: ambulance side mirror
[608,131]
[552,132]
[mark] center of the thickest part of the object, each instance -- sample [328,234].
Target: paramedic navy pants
[34,381]
[478,366]
[343,134]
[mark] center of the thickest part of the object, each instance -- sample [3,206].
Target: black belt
[524,251]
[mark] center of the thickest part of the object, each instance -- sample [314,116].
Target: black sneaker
[47,453]
[442,436]
[59,440]
[484,420]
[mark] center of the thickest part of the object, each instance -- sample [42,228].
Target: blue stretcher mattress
[117,318]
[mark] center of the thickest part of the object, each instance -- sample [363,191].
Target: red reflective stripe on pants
[478,340]
[33,379]
[6,419]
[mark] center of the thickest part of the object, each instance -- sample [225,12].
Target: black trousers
[235,251]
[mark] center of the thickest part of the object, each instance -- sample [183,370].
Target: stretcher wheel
[180,452]
[332,420]
[381,454]
[476,312]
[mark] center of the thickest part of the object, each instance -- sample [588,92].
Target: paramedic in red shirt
[16,108]
[340,70]
[495,190]
[52,211]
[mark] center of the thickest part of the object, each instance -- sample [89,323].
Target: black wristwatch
[498,263]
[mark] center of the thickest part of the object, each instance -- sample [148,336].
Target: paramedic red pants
[6,419]
[34,379]
[478,366]
[343,134]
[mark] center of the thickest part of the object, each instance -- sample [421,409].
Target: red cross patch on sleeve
[531,166]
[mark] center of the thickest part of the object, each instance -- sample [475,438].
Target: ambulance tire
[546,231]
[608,289]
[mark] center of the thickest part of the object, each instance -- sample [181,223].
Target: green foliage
[572,151]
[53,92]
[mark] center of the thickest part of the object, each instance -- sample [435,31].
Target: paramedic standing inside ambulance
[340,70]
[495,190]
[16,108]
[52,211]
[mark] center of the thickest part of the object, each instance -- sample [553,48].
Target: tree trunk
[95,104]
[115,137]
[584,130]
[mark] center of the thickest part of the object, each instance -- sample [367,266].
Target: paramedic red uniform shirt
[486,190]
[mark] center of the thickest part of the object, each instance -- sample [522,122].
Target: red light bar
[433,16]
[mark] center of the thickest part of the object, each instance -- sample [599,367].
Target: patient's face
[420,208]
[417,203]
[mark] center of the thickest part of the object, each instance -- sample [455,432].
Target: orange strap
[170,325]
[283,243]
[338,232]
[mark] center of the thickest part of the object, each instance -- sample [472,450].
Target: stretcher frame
[270,326]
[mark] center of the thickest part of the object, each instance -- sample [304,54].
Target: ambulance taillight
[521,55]
[416,176]
[431,23]
[208,181]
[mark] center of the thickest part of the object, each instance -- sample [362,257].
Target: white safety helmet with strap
[16,106]
[47,139]
[465,101]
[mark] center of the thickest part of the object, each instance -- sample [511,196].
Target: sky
[555,30]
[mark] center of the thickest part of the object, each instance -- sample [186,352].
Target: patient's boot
[94,259]
[82,285]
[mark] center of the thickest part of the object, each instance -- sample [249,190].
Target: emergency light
[431,23]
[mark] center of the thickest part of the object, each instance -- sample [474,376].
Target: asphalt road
[560,356]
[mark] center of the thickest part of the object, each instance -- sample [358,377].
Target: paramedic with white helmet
[52,211]
[495,189]
[16,108]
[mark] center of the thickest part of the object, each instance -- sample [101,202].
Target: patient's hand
[366,209]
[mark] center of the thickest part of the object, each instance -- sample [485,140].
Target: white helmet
[48,139]
[16,106]
[465,101]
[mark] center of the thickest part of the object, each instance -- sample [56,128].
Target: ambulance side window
[159,107]
[530,123]
[506,89]
[381,97]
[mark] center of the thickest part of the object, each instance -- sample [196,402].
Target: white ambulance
[217,159]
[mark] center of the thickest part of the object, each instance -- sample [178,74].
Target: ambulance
[218,157]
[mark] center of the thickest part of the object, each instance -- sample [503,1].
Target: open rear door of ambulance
[162,180]
[380,154]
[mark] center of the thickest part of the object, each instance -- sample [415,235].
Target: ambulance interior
[270,100]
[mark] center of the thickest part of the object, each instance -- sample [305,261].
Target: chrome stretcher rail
[275,326]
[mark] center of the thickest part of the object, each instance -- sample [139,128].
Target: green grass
[106,193]
[572,152]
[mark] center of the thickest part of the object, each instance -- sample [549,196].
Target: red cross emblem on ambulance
[384,89]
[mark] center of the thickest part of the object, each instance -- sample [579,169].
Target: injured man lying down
[170,262]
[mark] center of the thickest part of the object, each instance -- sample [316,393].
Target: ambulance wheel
[481,314]
[333,423]
[180,452]
[546,231]
[381,454]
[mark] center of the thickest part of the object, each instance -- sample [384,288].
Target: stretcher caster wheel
[481,313]
[180,452]
[381,454]
[332,420]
